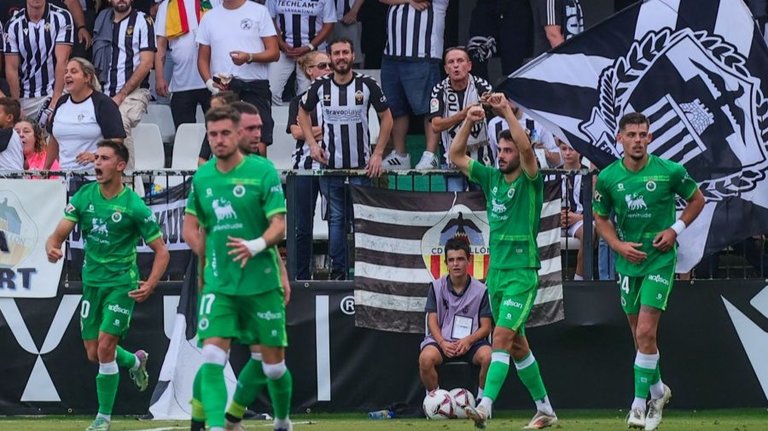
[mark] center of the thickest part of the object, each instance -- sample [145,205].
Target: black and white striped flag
[695,67]
[399,239]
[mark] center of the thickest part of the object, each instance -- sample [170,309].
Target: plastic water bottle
[381,414]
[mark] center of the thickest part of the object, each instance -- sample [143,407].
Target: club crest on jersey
[47,27]
[710,97]
[359,96]
[460,222]
[117,216]
[238,191]
[511,193]
[650,185]
[129,31]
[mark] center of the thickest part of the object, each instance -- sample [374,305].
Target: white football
[461,398]
[438,405]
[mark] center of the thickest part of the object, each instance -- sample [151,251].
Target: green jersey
[238,203]
[514,213]
[111,229]
[644,203]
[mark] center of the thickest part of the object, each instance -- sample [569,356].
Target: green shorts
[250,319]
[105,309]
[651,290]
[512,293]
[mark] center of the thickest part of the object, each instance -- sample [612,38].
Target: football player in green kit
[515,194]
[112,218]
[238,202]
[641,189]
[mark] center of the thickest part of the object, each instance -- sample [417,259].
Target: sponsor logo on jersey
[620,187]
[116,308]
[269,315]
[69,209]
[497,207]
[99,226]
[223,209]
[635,202]
[658,279]
[512,303]
[434,106]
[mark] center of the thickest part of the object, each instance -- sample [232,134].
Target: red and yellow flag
[177,19]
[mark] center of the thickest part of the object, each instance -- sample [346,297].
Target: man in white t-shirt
[177,41]
[11,151]
[237,41]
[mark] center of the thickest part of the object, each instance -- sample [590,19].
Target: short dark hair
[505,135]
[457,243]
[222,113]
[456,48]
[341,40]
[633,118]
[121,151]
[244,108]
[11,106]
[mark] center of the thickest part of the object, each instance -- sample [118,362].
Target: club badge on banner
[29,212]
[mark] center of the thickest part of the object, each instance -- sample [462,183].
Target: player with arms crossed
[112,218]
[515,195]
[239,203]
[641,188]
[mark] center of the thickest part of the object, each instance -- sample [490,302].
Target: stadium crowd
[78,71]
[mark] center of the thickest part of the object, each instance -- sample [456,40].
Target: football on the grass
[438,404]
[461,399]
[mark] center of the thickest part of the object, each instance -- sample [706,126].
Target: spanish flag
[177,20]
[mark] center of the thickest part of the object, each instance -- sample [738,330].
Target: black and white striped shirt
[132,35]
[416,34]
[301,157]
[571,192]
[301,21]
[34,43]
[343,7]
[344,111]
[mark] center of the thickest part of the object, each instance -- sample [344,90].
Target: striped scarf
[177,21]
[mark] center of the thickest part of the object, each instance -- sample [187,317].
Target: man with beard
[124,74]
[38,41]
[235,216]
[515,195]
[641,189]
[112,217]
[346,97]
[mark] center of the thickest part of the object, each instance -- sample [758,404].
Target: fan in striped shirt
[38,42]
[303,26]
[345,98]
[554,22]
[123,53]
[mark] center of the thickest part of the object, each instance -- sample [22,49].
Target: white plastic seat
[161,115]
[148,144]
[569,243]
[186,145]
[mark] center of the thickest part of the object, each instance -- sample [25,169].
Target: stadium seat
[374,73]
[319,226]
[186,146]
[570,243]
[161,115]
[283,144]
[149,147]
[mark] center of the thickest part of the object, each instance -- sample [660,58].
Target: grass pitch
[603,420]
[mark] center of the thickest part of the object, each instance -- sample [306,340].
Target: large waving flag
[399,239]
[695,68]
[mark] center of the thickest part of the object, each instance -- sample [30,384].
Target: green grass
[602,420]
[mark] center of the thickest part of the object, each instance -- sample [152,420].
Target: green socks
[124,358]
[497,374]
[250,383]
[646,373]
[106,386]
[198,414]
[528,371]
[280,391]
[214,397]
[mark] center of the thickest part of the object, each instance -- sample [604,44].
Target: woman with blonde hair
[82,118]
[315,65]
[33,145]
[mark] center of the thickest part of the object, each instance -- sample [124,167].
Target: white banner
[29,212]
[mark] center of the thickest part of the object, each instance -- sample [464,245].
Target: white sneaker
[395,161]
[541,420]
[428,161]
[636,419]
[478,415]
[655,408]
